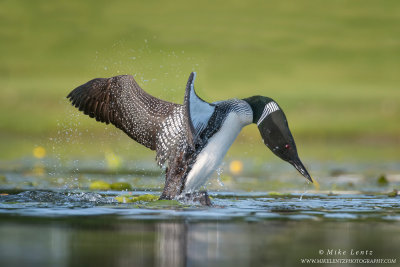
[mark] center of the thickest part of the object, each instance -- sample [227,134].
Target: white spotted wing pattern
[152,122]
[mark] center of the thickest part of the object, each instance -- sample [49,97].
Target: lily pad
[275,194]
[394,193]
[382,181]
[99,185]
[163,203]
[121,186]
[133,199]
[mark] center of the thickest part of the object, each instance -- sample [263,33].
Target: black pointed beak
[300,167]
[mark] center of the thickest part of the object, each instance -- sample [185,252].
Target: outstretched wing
[120,100]
[199,112]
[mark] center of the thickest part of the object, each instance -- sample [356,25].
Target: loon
[191,138]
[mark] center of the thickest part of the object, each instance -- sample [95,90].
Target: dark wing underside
[119,100]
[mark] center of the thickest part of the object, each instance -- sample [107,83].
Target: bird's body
[230,117]
[191,139]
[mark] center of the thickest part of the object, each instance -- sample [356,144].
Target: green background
[333,66]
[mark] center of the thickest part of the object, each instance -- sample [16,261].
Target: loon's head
[274,129]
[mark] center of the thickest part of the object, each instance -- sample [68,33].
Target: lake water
[50,218]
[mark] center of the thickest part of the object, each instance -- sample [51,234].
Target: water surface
[53,219]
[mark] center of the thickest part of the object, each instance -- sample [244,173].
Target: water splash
[227,206]
[219,174]
[301,196]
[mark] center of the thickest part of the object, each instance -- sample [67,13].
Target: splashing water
[246,206]
[301,196]
[219,173]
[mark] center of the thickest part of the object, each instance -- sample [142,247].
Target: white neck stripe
[269,108]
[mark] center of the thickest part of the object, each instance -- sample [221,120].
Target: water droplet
[305,192]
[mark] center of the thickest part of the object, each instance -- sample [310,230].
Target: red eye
[287,146]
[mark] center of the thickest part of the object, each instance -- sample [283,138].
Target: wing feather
[154,123]
[119,100]
[199,111]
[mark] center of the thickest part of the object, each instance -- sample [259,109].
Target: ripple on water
[227,206]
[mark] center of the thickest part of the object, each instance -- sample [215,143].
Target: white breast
[212,154]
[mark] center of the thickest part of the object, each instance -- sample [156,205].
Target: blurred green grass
[333,67]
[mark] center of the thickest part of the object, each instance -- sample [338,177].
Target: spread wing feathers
[199,111]
[154,123]
[174,137]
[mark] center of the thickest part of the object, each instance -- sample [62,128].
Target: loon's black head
[274,129]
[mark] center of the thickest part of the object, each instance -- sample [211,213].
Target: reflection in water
[202,243]
[99,241]
[171,248]
[24,245]
[181,243]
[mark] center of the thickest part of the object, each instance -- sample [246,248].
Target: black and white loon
[192,138]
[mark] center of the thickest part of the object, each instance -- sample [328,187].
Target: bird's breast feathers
[211,156]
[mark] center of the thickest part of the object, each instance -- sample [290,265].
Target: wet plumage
[190,138]
[152,122]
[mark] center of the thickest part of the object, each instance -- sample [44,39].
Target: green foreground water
[272,217]
[112,240]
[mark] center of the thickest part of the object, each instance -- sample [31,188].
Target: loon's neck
[257,104]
